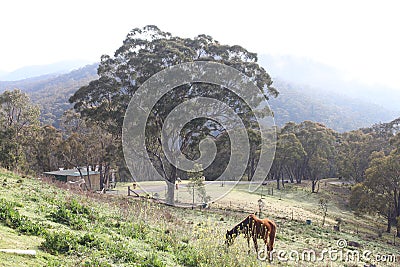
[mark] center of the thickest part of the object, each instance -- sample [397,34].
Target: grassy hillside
[71,229]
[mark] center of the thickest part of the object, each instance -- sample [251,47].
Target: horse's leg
[255,243]
[248,243]
[268,248]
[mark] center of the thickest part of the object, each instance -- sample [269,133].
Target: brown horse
[255,228]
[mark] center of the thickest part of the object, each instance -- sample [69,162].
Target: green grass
[114,230]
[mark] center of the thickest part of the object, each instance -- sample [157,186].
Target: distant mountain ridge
[308,73]
[52,91]
[28,84]
[337,111]
[295,102]
[40,70]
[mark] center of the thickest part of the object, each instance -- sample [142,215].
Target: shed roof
[73,172]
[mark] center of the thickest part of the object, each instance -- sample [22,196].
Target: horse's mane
[241,228]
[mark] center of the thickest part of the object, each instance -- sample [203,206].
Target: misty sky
[359,38]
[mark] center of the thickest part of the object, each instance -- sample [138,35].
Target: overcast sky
[360,38]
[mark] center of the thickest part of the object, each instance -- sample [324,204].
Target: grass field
[84,229]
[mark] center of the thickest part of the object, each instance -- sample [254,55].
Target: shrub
[67,242]
[135,230]
[96,262]
[188,256]
[162,242]
[73,214]
[90,240]
[78,208]
[152,261]
[11,218]
[30,228]
[120,252]
[60,242]
[65,216]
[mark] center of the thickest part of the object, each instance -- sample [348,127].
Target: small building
[74,175]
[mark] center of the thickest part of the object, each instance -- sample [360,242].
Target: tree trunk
[88,176]
[298,178]
[252,170]
[389,223]
[170,193]
[290,172]
[277,182]
[81,175]
[398,229]
[101,176]
[314,183]
[170,198]
[397,219]
[298,175]
[107,175]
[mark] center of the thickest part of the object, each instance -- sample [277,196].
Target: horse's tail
[272,234]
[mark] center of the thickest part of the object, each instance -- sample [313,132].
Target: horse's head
[229,238]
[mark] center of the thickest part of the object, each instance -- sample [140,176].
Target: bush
[11,218]
[188,256]
[162,242]
[120,252]
[60,242]
[78,208]
[152,261]
[73,214]
[89,240]
[65,216]
[96,262]
[135,230]
[68,242]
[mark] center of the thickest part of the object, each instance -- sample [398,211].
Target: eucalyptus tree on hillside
[380,191]
[291,152]
[146,52]
[319,144]
[19,119]
[354,154]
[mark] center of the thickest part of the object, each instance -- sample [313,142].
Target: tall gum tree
[19,119]
[318,143]
[145,52]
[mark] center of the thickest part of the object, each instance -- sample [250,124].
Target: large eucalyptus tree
[146,52]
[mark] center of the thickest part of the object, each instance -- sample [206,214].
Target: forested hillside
[336,111]
[295,103]
[52,91]
[303,71]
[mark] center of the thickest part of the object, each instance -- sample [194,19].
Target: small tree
[196,184]
[339,222]
[323,204]
[261,206]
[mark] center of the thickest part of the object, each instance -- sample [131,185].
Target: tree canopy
[18,119]
[146,52]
